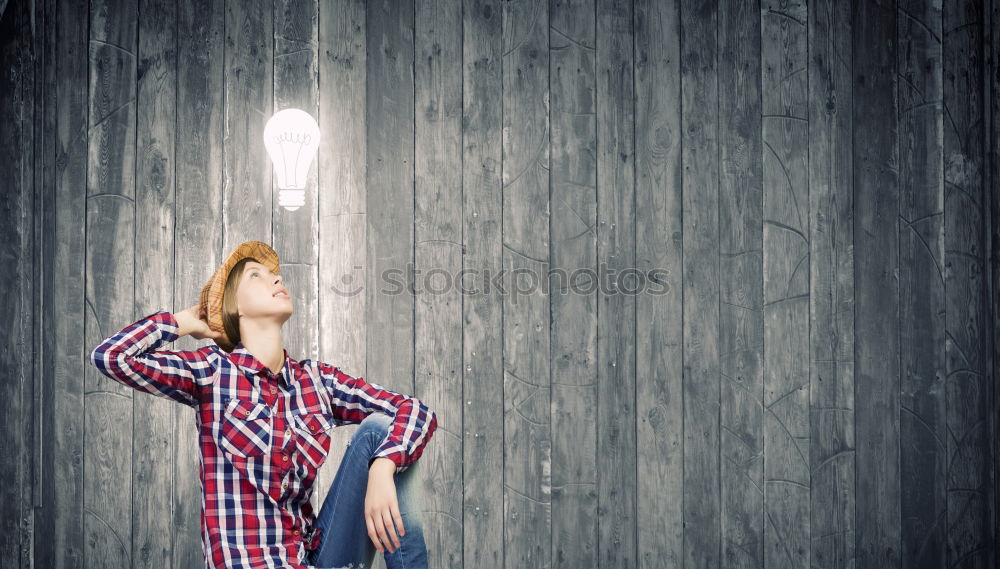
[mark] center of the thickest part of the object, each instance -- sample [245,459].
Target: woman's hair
[230,312]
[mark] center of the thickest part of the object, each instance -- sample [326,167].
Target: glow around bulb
[291,138]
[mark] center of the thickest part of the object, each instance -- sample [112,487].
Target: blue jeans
[344,541]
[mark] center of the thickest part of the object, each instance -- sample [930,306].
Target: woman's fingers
[383,534]
[387,518]
[372,534]
[394,508]
[381,530]
[381,538]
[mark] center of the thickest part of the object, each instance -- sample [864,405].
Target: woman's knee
[376,425]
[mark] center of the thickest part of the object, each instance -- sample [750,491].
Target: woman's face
[262,293]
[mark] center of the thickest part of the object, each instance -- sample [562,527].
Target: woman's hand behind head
[191,321]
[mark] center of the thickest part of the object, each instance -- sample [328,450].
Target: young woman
[263,423]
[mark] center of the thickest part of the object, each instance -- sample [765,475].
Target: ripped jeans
[344,541]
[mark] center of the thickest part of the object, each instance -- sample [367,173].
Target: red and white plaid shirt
[262,436]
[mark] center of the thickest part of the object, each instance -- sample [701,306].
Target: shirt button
[284,458]
[296,532]
[274,389]
[284,484]
[288,434]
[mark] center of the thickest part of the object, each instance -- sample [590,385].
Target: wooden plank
[44,425]
[659,309]
[389,122]
[19,241]
[525,228]
[484,516]
[831,287]
[44,213]
[17,156]
[296,85]
[701,287]
[438,249]
[154,434]
[110,255]
[341,200]
[247,205]
[573,148]
[785,532]
[876,246]
[23,242]
[923,460]
[65,544]
[992,88]
[970,539]
[616,392]
[197,233]
[749,324]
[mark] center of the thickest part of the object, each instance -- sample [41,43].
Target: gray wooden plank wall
[817,183]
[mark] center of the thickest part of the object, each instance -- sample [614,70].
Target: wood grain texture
[923,428]
[992,87]
[484,515]
[527,467]
[970,539]
[247,198]
[68,254]
[701,285]
[17,243]
[438,227]
[573,221]
[43,32]
[153,441]
[876,282]
[616,341]
[757,309]
[832,447]
[659,309]
[438,254]
[784,148]
[111,230]
[389,122]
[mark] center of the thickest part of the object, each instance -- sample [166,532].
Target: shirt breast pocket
[246,428]
[313,436]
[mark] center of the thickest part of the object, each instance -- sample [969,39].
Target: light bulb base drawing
[291,199]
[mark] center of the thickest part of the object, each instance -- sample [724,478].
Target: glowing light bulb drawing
[291,138]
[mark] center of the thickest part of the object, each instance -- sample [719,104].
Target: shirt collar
[251,365]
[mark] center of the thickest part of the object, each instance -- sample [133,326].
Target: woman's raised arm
[130,357]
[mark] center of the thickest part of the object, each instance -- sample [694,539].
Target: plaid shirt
[262,436]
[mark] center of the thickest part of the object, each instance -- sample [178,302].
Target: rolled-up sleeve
[353,399]
[131,358]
